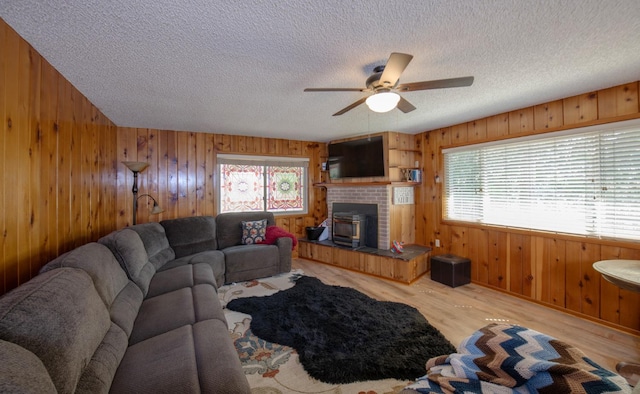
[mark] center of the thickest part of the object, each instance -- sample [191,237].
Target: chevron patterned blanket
[501,358]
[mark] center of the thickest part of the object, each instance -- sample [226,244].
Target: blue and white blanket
[501,358]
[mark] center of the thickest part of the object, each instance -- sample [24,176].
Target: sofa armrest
[284,244]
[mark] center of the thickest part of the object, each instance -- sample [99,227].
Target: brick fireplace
[380,195]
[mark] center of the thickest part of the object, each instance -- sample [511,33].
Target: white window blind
[583,182]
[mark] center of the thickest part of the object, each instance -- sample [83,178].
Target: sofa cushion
[59,317]
[98,375]
[254,232]
[169,311]
[229,226]
[184,360]
[247,262]
[128,249]
[176,278]
[155,243]
[22,371]
[191,235]
[97,261]
[212,344]
[213,258]
[121,296]
[126,306]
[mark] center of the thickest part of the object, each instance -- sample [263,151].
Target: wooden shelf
[406,150]
[346,184]
[360,184]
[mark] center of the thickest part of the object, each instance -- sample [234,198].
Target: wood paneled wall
[182,173]
[552,269]
[57,160]
[63,183]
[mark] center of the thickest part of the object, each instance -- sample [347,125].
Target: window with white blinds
[583,182]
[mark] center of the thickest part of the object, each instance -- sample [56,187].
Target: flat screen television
[359,158]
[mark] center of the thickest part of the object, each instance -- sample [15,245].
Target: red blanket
[275,232]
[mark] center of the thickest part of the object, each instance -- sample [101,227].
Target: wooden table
[622,273]
[626,275]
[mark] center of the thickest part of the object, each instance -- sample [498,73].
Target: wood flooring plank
[458,312]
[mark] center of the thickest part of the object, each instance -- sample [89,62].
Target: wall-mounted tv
[359,158]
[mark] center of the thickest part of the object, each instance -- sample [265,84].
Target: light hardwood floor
[458,312]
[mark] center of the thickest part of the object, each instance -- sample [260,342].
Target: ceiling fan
[385,79]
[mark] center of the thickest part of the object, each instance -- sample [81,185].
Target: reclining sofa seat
[247,262]
[193,241]
[83,326]
[216,242]
[143,260]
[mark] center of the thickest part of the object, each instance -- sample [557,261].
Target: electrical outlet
[437,243]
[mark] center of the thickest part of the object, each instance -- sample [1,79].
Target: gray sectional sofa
[135,312]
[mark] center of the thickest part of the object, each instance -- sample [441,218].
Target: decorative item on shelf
[415,175]
[405,174]
[136,167]
[411,175]
[397,247]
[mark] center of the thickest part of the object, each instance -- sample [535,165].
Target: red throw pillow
[275,232]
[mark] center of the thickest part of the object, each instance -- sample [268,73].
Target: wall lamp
[136,167]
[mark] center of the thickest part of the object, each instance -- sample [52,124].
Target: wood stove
[348,229]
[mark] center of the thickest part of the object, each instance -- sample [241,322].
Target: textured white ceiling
[240,67]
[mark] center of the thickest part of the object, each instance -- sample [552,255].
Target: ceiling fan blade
[395,66]
[336,90]
[405,106]
[438,84]
[350,107]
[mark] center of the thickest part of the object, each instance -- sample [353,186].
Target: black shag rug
[344,336]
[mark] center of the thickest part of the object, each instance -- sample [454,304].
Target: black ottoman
[451,270]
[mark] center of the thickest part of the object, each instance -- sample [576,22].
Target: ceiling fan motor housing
[374,83]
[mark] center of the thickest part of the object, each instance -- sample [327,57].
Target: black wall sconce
[136,167]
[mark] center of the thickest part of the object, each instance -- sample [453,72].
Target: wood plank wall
[182,173]
[552,269]
[63,183]
[57,158]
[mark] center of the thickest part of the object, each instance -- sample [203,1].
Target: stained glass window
[242,188]
[285,188]
[252,183]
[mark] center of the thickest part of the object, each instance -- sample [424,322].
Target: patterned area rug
[272,368]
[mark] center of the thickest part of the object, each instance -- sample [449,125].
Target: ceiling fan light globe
[383,102]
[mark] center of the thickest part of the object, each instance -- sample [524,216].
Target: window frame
[622,234]
[265,161]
